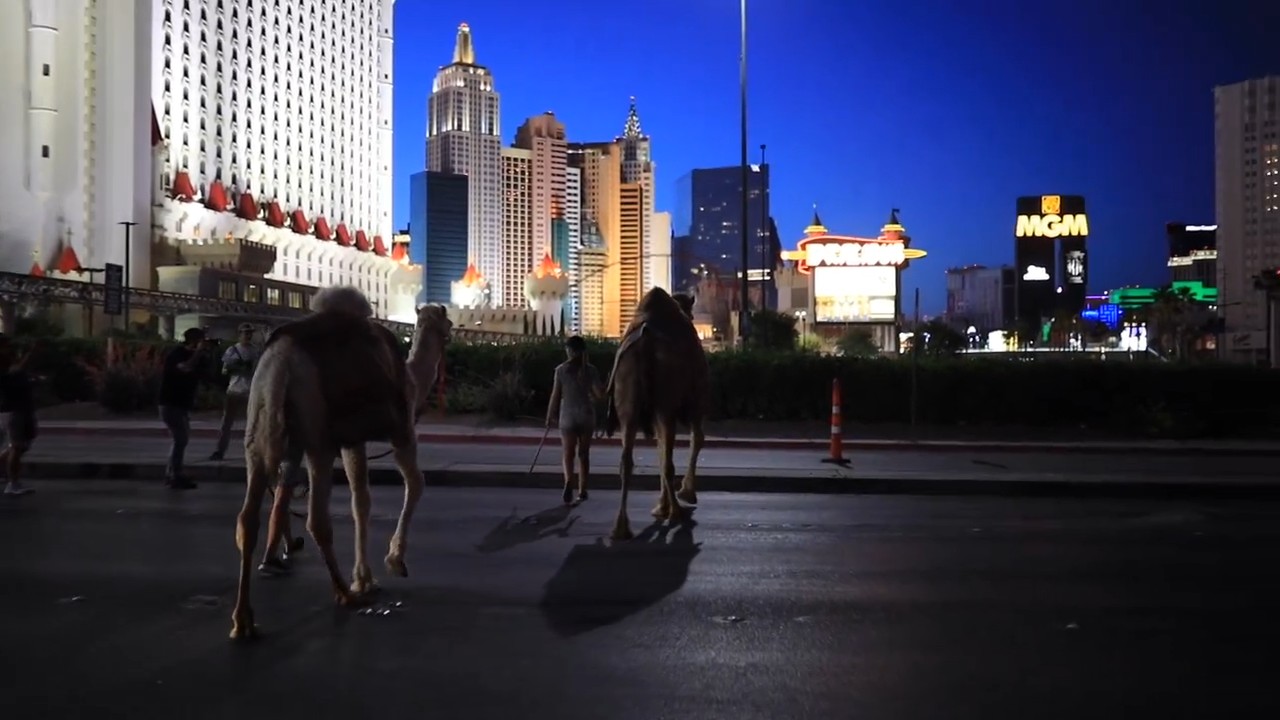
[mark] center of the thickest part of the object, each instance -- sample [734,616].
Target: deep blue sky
[876,104]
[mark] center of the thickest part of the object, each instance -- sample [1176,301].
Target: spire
[464,52]
[893,217]
[816,220]
[632,130]
[816,227]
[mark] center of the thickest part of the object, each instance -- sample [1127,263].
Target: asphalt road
[117,599]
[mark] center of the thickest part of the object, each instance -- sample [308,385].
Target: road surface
[116,603]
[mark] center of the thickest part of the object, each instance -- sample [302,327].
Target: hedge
[1127,398]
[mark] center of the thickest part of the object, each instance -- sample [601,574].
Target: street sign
[113,289]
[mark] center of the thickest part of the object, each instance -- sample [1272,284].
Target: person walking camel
[576,383]
[238,364]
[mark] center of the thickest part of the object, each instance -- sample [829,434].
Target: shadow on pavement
[599,584]
[514,530]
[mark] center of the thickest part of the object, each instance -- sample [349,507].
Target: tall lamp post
[742,86]
[763,237]
[124,291]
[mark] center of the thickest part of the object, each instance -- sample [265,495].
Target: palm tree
[1169,314]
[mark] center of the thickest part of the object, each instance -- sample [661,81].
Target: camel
[660,380]
[326,385]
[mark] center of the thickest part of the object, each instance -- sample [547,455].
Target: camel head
[685,301]
[433,321]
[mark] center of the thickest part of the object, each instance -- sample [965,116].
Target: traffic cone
[837,421]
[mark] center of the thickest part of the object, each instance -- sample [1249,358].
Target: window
[45,70]
[273,296]
[44,151]
[295,299]
[227,290]
[252,293]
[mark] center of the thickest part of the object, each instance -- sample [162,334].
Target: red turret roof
[547,267]
[247,207]
[399,251]
[275,216]
[182,188]
[68,261]
[362,241]
[36,270]
[300,224]
[472,276]
[322,229]
[343,235]
[217,197]
[379,248]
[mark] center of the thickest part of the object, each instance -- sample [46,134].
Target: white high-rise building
[660,252]
[464,136]
[276,128]
[638,168]
[517,224]
[75,134]
[573,216]
[1247,189]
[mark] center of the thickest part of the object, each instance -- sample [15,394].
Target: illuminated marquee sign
[1051,223]
[840,251]
[1075,267]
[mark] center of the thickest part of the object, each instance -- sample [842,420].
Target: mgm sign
[1050,236]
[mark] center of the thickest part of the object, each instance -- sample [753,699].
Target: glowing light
[1052,225]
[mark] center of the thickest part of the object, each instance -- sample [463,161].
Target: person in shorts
[17,414]
[238,364]
[574,391]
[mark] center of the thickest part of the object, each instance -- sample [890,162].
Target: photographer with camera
[238,364]
[179,381]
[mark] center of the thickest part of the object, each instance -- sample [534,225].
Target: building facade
[707,222]
[1193,253]
[76,135]
[660,255]
[439,217]
[1247,204]
[573,219]
[517,224]
[980,297]
[275,128]
[464,136]
[543,136]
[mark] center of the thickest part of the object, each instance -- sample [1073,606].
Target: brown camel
[660,380]
[327,385]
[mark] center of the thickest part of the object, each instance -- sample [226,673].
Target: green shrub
[1168,400]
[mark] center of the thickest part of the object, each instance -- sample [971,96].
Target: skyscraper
[76,133]
[464,136]
[708,215]
[573,218]
[1247,195]
[543,137]
[272,131]
[517,224]
[617,201]
[438,218]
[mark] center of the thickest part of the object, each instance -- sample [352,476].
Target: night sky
[871,105]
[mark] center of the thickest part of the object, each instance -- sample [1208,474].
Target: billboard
[1050,235]
[855,294]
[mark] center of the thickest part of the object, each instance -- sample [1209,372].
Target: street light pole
[742,86]
[124,291]
[763,237]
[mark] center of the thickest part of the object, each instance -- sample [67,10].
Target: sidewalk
[451,432]
[489,464]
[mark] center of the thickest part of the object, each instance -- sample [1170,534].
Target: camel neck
[423,355]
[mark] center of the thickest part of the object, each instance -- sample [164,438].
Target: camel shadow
[599,584]
[514,530]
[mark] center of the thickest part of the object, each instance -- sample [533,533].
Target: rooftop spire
[463,51]
[632,130]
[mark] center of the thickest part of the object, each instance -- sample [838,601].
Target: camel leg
[319,522]
[355,461]
[622,526]
[667,471]
[663,509]
[242,626]
[407,462]
[696,438]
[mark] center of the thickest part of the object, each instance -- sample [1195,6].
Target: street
[118,596]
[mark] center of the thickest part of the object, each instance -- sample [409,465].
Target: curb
[808,484]
[820,446]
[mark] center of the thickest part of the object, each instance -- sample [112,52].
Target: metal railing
[17,287]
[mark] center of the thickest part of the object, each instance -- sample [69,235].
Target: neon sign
[820,249]
[1035,273]
[1051,223]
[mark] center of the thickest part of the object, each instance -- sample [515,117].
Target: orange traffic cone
[837,421]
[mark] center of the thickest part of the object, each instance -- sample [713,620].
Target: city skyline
[891,123]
